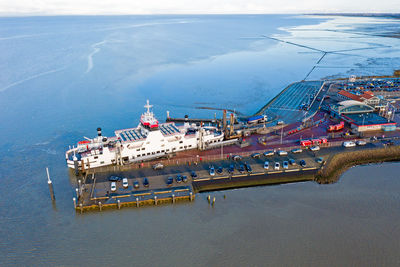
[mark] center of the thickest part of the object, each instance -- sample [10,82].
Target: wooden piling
[155,200]
[53,198]
[119,204]
[74,200]
[100,205]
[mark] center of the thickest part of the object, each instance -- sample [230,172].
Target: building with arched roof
[351,107]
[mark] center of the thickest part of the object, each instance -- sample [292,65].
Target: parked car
[125,182]
[282,153]
[170,180]
[136,184]
[241,168]
[349,144]
[266,165]
[113,186]
[248,168]
[231,168]
[114,178]
[388,143]
[361,143]
[319,160]
[146,182]
[193,174]
[220,170]
[285,165]
[269,153]
[292,162]
[256,155]
[297,150]
[184,178]
[158,166]
[303,163]
[178,178]
[236,157]
[277,165]
[314,148]
[212,171]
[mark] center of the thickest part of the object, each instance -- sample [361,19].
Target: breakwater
[338,163]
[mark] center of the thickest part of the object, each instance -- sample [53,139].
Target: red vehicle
[306,143]
[336,127]
[314,142]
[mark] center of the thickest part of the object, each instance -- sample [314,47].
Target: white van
[349,144]
[282,153]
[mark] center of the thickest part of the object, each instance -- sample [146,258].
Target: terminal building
[361,116]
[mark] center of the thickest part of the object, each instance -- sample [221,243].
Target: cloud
[93,7]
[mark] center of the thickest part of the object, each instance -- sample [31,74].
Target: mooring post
[208,198]
[119,204]
[155,200]
[53,198]
[76,165]
[74,200]
[213,201]
[100,205]
[173,198]
[80,186]
[81,206]
[77,192]
[137,202]
[191,196]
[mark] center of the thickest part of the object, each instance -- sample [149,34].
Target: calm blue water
[62,77]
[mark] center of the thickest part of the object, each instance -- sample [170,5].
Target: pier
[94,192]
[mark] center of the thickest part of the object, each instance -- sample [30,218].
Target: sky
[99,7]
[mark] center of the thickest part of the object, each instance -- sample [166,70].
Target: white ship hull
[148,141]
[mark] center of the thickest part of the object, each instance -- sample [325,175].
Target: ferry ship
[149,140]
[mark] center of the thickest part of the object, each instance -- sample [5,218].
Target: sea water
[62,77]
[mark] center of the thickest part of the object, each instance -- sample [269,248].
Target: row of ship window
[162,151]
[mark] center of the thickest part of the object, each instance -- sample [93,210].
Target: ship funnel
[99,131]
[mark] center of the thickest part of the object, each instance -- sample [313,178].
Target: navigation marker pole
[53,198]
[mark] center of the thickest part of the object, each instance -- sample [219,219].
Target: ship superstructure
[149,140]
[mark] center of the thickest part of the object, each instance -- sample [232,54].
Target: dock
[93,189]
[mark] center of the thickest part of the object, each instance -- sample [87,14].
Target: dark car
[219,170]
[178,178]
[292,162]
[146,182]
[248,168]
[193,174]
[231,168]
[388,143]
[184,178]
[303,163]
[241,168]
[170,180]
[114,178]
[256,155]
[135,184]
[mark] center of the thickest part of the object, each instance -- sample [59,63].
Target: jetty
[298,145]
